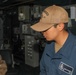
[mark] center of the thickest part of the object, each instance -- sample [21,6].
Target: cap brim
[41,26]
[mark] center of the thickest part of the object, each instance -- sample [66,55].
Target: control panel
[31,51]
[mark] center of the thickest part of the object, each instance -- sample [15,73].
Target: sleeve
[42,65]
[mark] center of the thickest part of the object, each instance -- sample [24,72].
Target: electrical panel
[31,51]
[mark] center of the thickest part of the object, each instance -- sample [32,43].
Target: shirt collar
[50,49]
[68,46]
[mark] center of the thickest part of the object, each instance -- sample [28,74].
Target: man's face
[51,33]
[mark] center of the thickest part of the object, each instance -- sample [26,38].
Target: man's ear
[61,26]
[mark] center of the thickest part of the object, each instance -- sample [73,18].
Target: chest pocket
[66,69]
[64,66]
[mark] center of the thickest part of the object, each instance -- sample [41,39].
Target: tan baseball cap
[50,16]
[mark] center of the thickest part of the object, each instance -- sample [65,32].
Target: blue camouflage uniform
[61,63]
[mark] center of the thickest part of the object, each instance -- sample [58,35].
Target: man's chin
[48,39]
